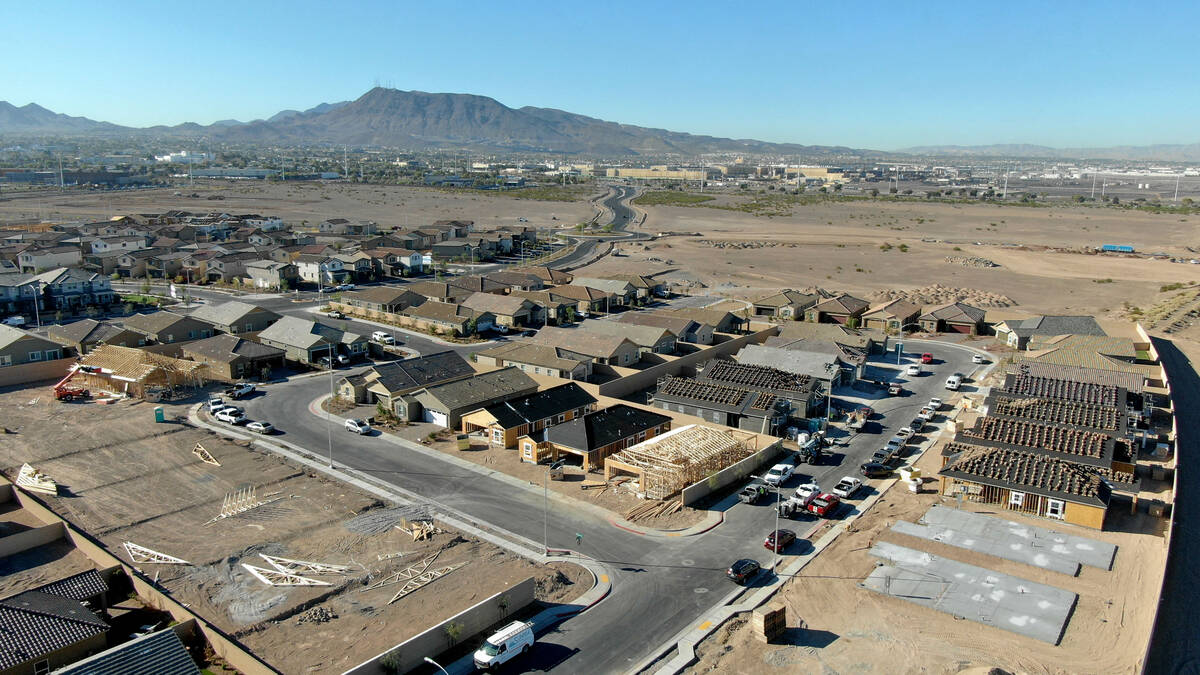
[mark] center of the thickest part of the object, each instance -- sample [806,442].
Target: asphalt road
[1174,647]
[660,585]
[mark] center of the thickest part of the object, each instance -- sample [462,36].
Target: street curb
[686,640]
[314,408]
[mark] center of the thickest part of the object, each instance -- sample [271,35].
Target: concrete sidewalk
[684,643]
[711,520]
[601,582]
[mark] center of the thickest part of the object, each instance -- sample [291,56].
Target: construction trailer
[664,465]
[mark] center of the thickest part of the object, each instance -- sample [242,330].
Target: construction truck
[64,391]
[810,448]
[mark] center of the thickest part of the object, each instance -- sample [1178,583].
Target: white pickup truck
[778,474]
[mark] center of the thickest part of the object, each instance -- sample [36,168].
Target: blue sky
[863,74]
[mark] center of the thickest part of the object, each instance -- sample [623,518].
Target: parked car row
[230,414]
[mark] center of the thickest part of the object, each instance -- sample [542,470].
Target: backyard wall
[732,474]
[474,620]
[34,372]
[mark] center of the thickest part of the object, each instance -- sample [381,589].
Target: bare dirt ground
[848,629]
[124,478]
[837,245]
[298,203]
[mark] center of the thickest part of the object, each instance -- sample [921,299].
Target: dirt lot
[312,202]
[849,629]
[124,478]
[837,245]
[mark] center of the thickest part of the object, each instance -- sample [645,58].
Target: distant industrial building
[659,173]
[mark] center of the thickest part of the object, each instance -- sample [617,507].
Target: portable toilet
[159,416]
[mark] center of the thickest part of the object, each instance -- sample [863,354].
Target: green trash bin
[158,414]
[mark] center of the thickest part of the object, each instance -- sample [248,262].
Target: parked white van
[954,382]
[506,643]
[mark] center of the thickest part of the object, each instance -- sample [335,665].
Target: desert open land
[867,247]
[312,202]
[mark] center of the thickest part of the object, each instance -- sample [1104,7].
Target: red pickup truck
[824,504]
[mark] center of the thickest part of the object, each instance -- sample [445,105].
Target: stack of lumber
[652,510]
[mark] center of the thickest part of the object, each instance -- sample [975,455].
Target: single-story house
[236,317]
[538,359]
[822,361]
[53,625]
[843,309]
[446,318]
[586,298]
[232,358]
[646,287]
[595,436]
[787,304]
[894,316]
[438,291]
[381,299]
[955,317]
[649,339]
[550,309]
[387,382]
[516,280]
[721,320]
[724,404]
[610,350]
[445,404]
[548,275]
[167,327]
[508,310]
[1016,333]
[18,347]
[501,423]
[620,292]
[866,340]
[85,335]
[306,341]
[685,329]
[477,284]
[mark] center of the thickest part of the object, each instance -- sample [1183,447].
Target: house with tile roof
[447,318]
[787,304]
[85,335]
[685,329]
[954,317]
[1016,333]
[445,404]
[508,310]
[538,359]
[894,316]
[844,309]
[722,403]
[50,626]
[231,358]
[387,382]
[649,339]
[595,436]
[306,341]
[160,652]
[167,327]
[613,350]
[547,274]
[236,316]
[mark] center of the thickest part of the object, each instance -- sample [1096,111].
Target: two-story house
[72,288]
[320,269]
[36,259]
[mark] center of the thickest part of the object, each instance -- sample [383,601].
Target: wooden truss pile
[415,576]
[677,459]
[285,571]
[204,455]
[240,502]
[418,529]
[141,555]
[35,481]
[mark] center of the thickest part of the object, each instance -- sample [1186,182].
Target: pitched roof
[842,304]
[1109,419]
[9,335]
[228,348]
[480,390]
[636,280]
[758,377]
[715,396]
[385,295]
[1027,472]
[582,342]
[604,427]
[818,364]
[955,312]
[445,312]
[423,371]
[437,289]
[297,332]
[1076,445]
[84,330]
[155,322]
[80,586]
[900,309]
[1026,382]
[35,623]
[1055,325]
[789,297]
[136,364]
[540,405]
[832,332]
[160,652]
[502,305]
[1133,382]
[548,274]
[643,336]
[476,284]
[615,286]
[579,292]
[533,354]
[712,317]
[515,278]
[679,325]
[228,313]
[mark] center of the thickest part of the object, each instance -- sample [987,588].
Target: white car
[358,426]
[230,415]
[847,486]
[912,369]
[777,474]
[14,320]
[807,491]
[260,427]
[905,432]
[383,337]
[978,358]
[934,404]
[240,390]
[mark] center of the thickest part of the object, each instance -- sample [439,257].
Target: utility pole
[61,185]
[1177,179]
[1093,186]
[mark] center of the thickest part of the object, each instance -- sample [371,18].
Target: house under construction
[666,464]
[123,370]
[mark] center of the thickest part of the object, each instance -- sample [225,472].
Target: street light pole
[329,408]
[37,300]
[435,663]
[775,548]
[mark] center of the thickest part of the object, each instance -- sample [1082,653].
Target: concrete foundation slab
[981,543]
[982,595]
[1084,550]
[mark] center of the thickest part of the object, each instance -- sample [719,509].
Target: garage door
[837,319]
[959,327]
[434,416]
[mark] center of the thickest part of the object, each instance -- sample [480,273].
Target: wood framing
[141,555]
[666,464]
[204,455]
[277,578]
[35,481]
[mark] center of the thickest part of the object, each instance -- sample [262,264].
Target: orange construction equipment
[64,392]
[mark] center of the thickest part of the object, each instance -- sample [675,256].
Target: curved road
[623,215]
[660,585]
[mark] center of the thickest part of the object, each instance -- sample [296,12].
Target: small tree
[128,308]
[453,631]
[58,315]
[146,286]
[570,315]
